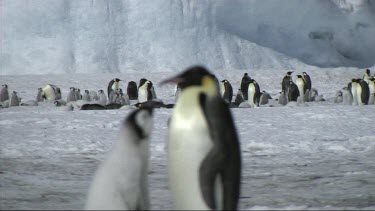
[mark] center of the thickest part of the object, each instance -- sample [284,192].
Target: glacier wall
[71,36]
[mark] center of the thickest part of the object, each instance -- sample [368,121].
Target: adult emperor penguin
[253,94]
[144,92]
[366,76]
[301,87]
[4,93]
[204,161]
[293,92]
[132,90]
[285,81]
[49,92]
[121,181]
[353,90]
[363,92]
[371,86]
[307,80]
[113,85]
[226,91]
[245,85]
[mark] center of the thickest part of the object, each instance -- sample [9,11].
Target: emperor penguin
[245,85]
[339,97]
[353,90]
[86,96]
[204,160]
[39,95]
[153,93]
[113,85]
[49,92]
[239,98]
[112,96]
[58,93]
[71,95]
[371,86]
[363,92]
[366,76]
[102,98]
[226,91]
[4,93]
[264,97]
[144,92]
[132,90]
[371,100]
[307,80]
[293,92]
[347,96]
[178,91]
[78,95]
[253,94]
[301,87]
[285,81]
[14,99]
[283,100]
[93,96]
[121,181]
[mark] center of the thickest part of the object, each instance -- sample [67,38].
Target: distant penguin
[102,98]
[39,95]
[112,97]
[293,92]
[204,160]
[307,80]
[113,85]
[121,181]
[49,92]
[283,100]
[285,82]
[347,96]
[253,94]
[141,82]
[239,98]
[14,100]
[363,92]
[264,97]
[58,93]
[353,90]
[71,95]
[245,85]
[153,93]
[132,90]
[4,93]
[307,97]
[226,91]
[78,95]
[366,76]
[93,96]
[371,86]
[144,92]
[301,87]
[86,96]
[339,97]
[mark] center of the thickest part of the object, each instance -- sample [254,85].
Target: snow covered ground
[319,156]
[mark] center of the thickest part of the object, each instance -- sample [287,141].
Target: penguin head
[142,81]
[289,73]
[367,71]
[196,76]
[78,90]
[40,89]
[299,76]
[87,91]
[72,88]
[100,91]
[116,80]
[304,73]
[5,85]
[141,122]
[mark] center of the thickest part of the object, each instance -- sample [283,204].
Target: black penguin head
[87,91]
[39,89]
[245,74]
[368,71]
[289,73]
[299,76]
[5,85]
[142,81]
[100,91]
[116,80]
[72,88]
[141,122]
[14,92]
[194,76]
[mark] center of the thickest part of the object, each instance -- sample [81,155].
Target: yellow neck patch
[209,84]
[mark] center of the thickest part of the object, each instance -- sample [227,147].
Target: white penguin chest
[222,89]
[142,94]
[300,85]
[251,93]
[189,143]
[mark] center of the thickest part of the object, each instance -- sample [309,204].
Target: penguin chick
[4,93]
[339,97]
[93,96]
[86,96]
[283,100]
[264,97]
[14,100]
[121,181]
[39,96]
[71,95]
[102,98]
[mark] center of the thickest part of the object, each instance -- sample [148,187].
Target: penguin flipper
[225,158]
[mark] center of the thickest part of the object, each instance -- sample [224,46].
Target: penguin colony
[204,156]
